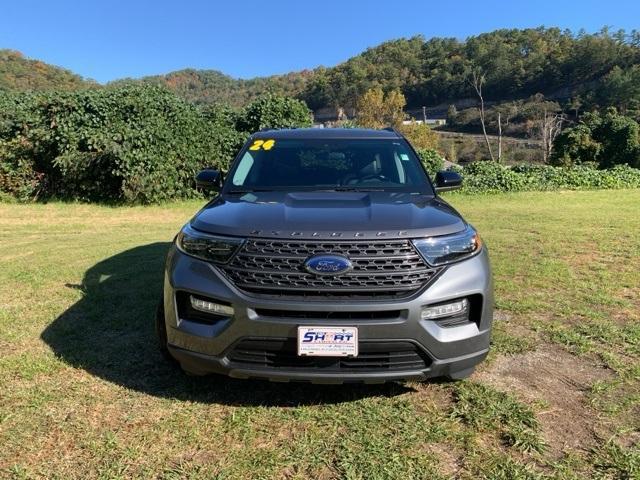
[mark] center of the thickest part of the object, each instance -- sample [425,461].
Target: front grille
[337,315]
[380,268]
[372,356]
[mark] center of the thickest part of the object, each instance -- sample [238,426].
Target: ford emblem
[328,265]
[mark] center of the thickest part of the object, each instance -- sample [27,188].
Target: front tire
[161,335]
[161,332]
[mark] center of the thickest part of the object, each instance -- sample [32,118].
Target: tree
[274,111]
[575,145]
[370,109]
[394,104]
[550,126]
[375,110]
[420,135]
[575,104]
[621,88]
[504,113]
[477,81]
[544,119]
[609,139]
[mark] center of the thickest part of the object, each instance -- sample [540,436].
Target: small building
[436,122]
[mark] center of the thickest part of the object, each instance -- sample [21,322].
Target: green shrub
[491,177]
[431,160]
[273,111]
[608,139]
[222,121]
[134,144]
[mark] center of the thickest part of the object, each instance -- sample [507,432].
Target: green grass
[85,394]
[483,408]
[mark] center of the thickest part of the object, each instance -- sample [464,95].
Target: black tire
[161,332]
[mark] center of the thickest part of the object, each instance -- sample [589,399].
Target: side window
[243,169]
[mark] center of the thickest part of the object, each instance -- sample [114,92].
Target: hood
[334,215]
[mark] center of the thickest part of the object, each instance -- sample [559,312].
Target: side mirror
[447,180]
[209,179]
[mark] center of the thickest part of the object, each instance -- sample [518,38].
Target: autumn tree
[377,110]
[420,135]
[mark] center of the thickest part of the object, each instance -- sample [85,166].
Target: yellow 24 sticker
[264,144]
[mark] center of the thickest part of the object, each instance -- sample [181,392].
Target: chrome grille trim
[381,268]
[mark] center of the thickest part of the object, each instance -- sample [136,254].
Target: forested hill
[602,68]
[517,64]
[212,86]
[18,74]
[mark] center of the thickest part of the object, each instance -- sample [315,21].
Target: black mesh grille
[380,268]
[372,357]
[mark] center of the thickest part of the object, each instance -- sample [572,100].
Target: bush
[608,139]
[272,111]
[222,121]
[491,177]
[134,144]
[419,135]
[431,160]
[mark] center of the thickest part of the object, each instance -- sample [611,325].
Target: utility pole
[424,115]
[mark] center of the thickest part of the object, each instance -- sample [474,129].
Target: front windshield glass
[360,165]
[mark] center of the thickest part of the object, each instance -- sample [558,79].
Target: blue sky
[246,38]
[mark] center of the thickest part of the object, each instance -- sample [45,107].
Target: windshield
[361,165]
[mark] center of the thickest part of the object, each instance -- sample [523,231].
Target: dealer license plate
[328,341]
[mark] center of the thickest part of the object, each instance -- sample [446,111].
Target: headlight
[211,248]
[449,248]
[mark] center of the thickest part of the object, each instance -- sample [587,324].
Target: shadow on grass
[110,333]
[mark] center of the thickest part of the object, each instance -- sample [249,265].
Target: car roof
[326,133]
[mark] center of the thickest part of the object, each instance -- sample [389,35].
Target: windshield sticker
[404,156]
[264,144]
[268,144]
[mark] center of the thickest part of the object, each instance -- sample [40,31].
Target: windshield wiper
[250,190]
[351,189]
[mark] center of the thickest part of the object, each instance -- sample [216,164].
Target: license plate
[328,341]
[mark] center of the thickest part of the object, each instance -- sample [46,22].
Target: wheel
[461,374]
[161,335]
[161,331]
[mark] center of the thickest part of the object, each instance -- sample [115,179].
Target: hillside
[601,69]
[516,63]
[212,86]
[18,73]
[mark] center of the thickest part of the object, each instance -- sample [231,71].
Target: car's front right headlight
[446,249]
[211,248]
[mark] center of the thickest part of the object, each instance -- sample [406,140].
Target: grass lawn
[85,394]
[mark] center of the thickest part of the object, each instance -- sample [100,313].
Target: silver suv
[327,256]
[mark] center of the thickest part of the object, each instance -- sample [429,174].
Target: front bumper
[203,349]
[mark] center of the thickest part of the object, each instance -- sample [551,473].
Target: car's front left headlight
[447,249]
[211,248]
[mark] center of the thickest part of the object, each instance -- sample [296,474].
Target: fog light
[211,307]
[444,310]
